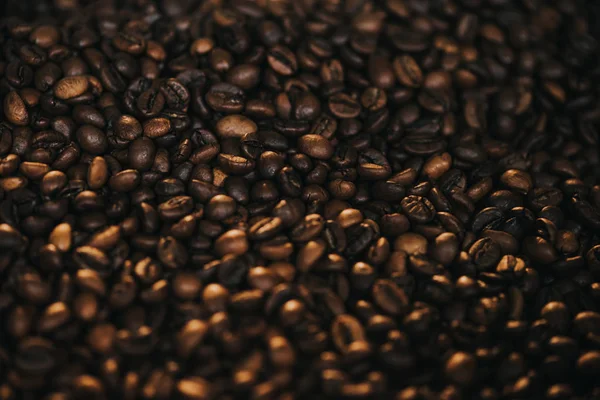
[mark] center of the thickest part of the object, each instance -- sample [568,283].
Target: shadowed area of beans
[299,199]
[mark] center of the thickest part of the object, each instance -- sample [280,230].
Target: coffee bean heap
[299,199]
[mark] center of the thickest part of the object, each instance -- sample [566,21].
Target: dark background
[27,9]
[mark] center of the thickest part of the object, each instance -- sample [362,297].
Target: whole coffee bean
[71,87]
[54,316]
[194,388]
[315,146]
[45,36]
[342,105]
[232,242]
[265,228]
[539,249]
[15,110]
[309,254]
[156,127]
[224,97]
[445,248]
[308,228]
[36,355]
[125,181]
[235,126]
[175,208]
[389,297]
[171,252]
[282,60]
[98,173]
[129,42]
[349,217]
[418,209]
[245,76]
[485,253]
[128,128]
[141,153]
[346,330]
[461,368]
[92,139]
[235,165]
[437,166]
[517,180]
[411,243]
[408,71]
[34,170]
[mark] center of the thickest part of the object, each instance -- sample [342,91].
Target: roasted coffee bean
[224,97]
[141,153]
[343,106]
[125,181]
[15,110]
[282,60]
[127,128]
[485,253]
[315,146]
[92,139]
[346,330]
[408,71]
[235,126]
[389,297]
[461,368]
[71,87]
[418,209]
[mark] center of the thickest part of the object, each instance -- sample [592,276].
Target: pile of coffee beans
[299,199]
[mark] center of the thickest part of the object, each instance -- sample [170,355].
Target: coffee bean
[54,316]
[539,249]
[282,60]
[411,243]
[141,153]
[315,146]
[129,42]
[15,109]
[92,258]
[224,97]
[308,228]
[517,180]
[36,355]
[408,71]
[125,181]
[171,252]
[235,165]
[342,105]
[235,126]
[92,139]
[485,253]
[309,254]
[265,228]
[128,128]
[156,127]
[418,209]
[389,297]
[461,368]
[194,388]
[437,166]
[232,242]
[345,331]
[70,87]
